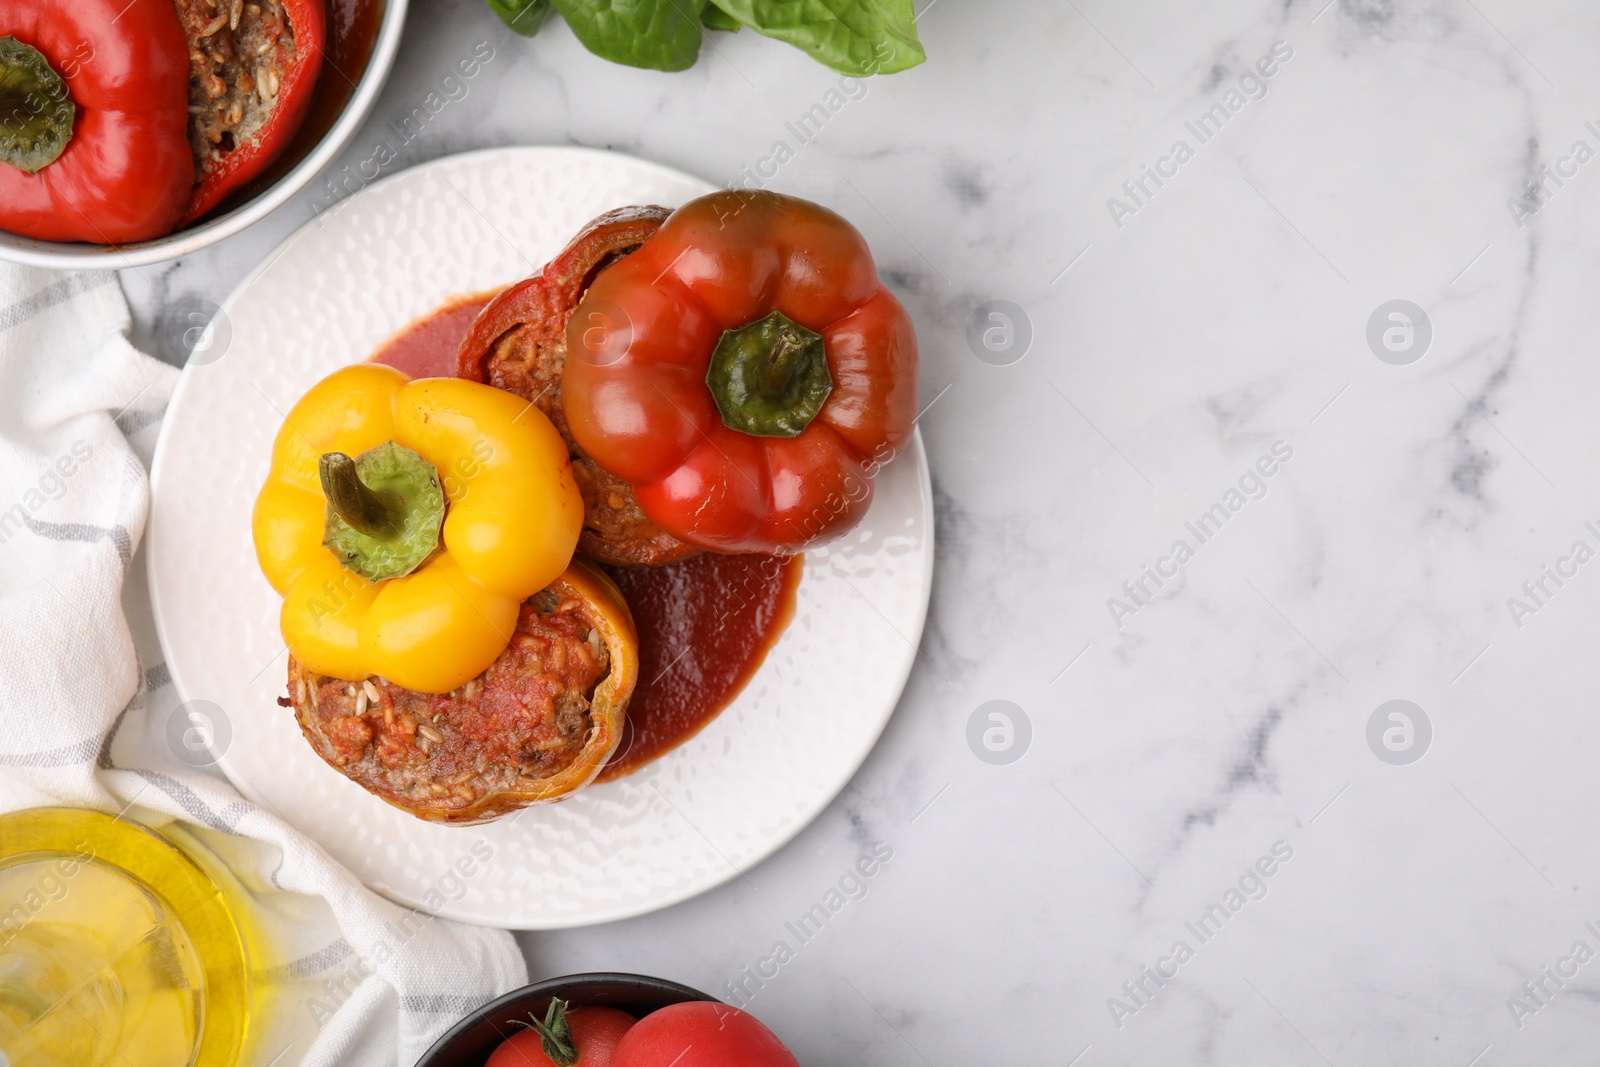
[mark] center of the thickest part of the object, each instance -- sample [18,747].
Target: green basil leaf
[523,16]
[714,18]
[856,37]
[655,34]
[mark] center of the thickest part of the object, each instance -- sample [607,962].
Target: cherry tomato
[701,1034]
[589,1039]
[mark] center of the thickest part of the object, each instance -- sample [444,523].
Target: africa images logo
[1140,591]
[1138,191]
[1251,886]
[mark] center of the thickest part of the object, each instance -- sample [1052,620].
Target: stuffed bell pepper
[121,120]
[745,372]
[728,377]
[446,652]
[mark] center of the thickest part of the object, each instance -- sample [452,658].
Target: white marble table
[1189,732]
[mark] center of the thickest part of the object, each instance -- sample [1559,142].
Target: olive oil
[115,948]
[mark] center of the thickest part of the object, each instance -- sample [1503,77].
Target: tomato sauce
[705,624]
[427,347]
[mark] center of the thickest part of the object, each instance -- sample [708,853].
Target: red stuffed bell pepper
[94,119]
[746,371]
[121,121]
[255,65]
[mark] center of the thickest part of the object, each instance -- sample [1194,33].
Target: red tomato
[595,1034]
[701,1034]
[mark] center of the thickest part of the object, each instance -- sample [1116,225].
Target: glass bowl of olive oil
[116,947]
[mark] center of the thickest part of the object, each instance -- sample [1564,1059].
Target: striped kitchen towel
[85,698]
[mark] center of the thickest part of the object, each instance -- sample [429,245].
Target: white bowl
[64,256]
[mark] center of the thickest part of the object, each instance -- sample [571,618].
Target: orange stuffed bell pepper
[405,522]
[745,371]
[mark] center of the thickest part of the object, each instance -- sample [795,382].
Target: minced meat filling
[615,528]
[528,715]
[239,53]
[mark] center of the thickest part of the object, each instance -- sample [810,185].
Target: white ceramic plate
[698,816]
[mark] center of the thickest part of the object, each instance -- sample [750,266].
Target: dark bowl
[470,1041]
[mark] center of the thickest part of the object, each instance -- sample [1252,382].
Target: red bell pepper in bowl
[94,119]
[121,121]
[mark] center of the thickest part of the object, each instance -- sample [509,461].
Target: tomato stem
[555,1033]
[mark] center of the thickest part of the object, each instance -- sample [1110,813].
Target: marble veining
[1418,150]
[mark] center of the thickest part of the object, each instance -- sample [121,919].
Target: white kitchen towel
[86,702]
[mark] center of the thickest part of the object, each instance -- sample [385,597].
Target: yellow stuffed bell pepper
[405,521]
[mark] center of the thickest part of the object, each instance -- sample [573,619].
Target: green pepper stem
[781,361]
[352,501]
[385,511]
[770,377]
[36,111]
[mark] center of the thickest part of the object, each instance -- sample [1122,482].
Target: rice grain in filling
[526,717]
[240,51]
